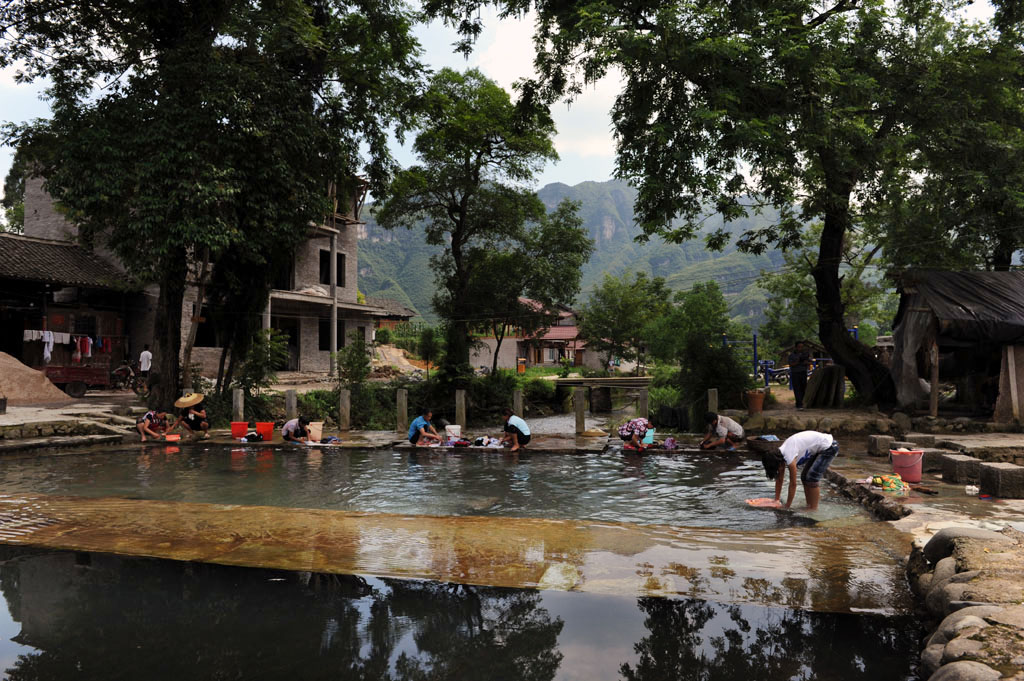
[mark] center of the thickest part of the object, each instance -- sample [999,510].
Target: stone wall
[483,355]
[307,264]
[42,220]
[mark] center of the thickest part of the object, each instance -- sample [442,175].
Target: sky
[504,53]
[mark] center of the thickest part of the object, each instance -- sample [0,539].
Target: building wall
[483,355]
[307,264]
[42,220]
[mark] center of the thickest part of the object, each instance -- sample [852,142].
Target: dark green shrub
[704,366]
[383,335]
[539,390]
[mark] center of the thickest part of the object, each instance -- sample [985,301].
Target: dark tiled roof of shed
[55,262]
[392,306]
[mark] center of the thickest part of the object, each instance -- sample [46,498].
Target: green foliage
[268,351]
[665,396]
[700,315]
[475,152]
[319,405]
[354,361]
[13,200]
[615,315]
[566,367]
[429,346]
[703,366]
[383,335]
[539,390]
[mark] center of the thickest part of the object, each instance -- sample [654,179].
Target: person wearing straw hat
[192,415]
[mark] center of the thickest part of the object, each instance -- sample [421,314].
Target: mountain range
[396,263]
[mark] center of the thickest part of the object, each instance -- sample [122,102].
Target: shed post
[238,405]
[291,404]
[460,408]
[344,409]
[517,403]
[713,400]
[933,401]
[402,410]
[579,402]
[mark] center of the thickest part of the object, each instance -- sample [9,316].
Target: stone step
[958,468]
[921,439]
[1003,480]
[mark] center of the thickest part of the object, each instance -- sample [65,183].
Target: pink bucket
[907,464]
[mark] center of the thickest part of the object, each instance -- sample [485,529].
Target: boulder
[902,422]
[931,658]
[1003,480]
[958,468]
[941,543]
[944,569]
[965,671]
[955,622]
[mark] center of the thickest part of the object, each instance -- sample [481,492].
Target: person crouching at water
[516,431]
[421,432]
[152,423]
[633,432]
[296,431]
[722,432]
[810,449]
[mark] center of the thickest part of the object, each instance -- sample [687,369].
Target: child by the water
[810,449]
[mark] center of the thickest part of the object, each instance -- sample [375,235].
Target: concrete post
[345,409]
[266,317]
[460,408]
[334,304]
[402,410]
[517,403]
[291,404]
[238,405]
[933,398]
[713,400]
[641,408]
[580,403]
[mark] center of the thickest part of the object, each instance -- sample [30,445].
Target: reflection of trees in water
[696,640]
[131,618]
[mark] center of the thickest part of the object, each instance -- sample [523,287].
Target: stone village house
[48,281]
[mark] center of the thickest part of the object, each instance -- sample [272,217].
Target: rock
[1003,480]
[944,569]
[921,439]
[923,584]
[826,425]
[963,577]
[879,445]
[882,425]
[938,599]
[965,671]
[961,647]
[931,658]
[933,458]
[1012,616]
[755,422]
[957,468]
[941,543]
[955,623]
[902,422]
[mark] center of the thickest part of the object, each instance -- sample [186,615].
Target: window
[325,334]
[283,277]
[325,268]
[552,355]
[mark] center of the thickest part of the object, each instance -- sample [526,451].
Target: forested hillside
[397,264]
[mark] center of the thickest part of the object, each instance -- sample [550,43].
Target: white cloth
[805,442]
[726,425]
[61,337]
[145,360]
[47,346]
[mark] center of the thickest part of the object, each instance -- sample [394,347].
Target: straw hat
[189,400]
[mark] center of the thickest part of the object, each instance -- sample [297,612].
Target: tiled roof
[391,306]
[55,262]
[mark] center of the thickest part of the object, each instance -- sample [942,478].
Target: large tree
[217,124]
[615,317]
[809,106]
[477,155]
[522,285]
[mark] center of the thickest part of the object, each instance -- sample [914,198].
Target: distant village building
[546,348]
[49,282]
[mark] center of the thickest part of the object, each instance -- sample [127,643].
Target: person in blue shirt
[420,430]
[516,430]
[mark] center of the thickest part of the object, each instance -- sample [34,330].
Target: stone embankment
[971,581]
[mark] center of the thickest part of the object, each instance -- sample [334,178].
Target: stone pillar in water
[641,409]
[344,409]
[460,408]
[517,403]
[580,403]
[291,404]
[712,401]
[402,410]
[238,405]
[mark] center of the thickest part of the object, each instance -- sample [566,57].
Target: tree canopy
[477,154]
[827,111]
[614,319]
[217,125]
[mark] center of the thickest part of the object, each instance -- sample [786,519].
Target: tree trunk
[194,322]
[221,388]
[499,336]
[869,376]
[167,333]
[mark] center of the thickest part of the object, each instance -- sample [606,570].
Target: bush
[706,366]
[539,390]
[594,373]
[384,335]
[667,396]
[319,405]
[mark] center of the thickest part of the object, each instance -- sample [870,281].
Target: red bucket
[266,429]
[907,464]
[239,428]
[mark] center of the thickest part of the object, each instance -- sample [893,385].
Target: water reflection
[93,616]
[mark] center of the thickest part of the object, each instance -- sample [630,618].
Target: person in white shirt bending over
[516,430]
[722,432]
[810,449]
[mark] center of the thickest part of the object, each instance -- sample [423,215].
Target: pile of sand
[22,385]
